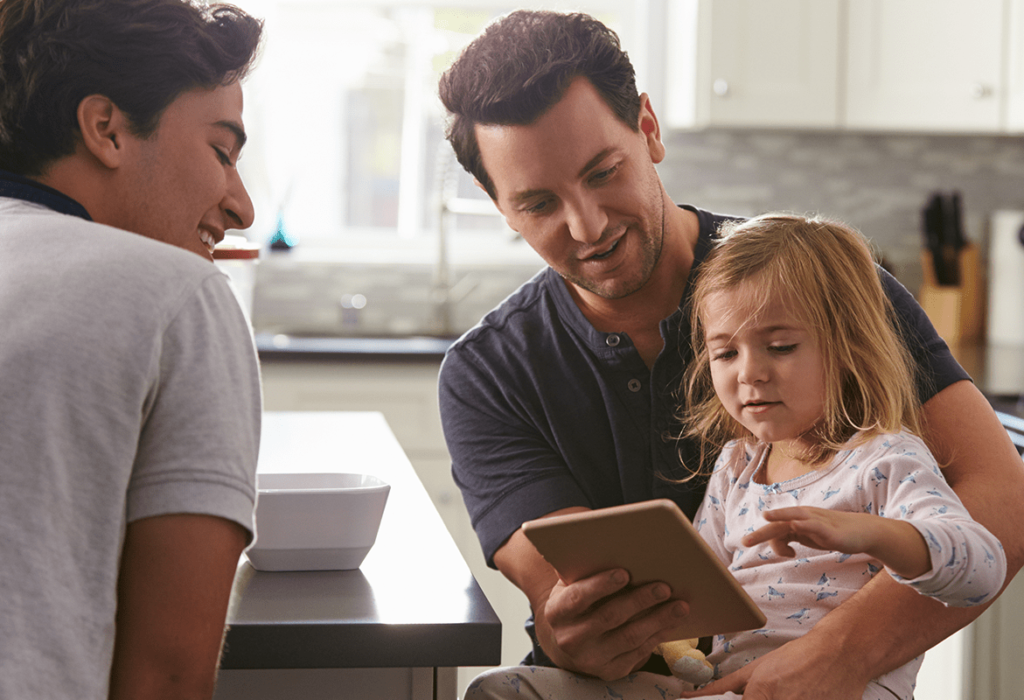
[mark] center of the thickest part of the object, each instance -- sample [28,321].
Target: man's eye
[537,208]
[603,175]
[223,157]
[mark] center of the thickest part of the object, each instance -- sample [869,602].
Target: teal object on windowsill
[282,240]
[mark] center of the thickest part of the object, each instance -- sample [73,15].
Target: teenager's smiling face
[187,190]
[766,366]
[580,187]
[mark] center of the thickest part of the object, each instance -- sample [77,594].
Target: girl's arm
[895,543]
[927,539]
[885,625]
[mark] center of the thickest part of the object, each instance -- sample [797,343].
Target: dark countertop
[291,347]
[412,603]
[997,370]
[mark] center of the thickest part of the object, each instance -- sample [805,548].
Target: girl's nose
[752,369]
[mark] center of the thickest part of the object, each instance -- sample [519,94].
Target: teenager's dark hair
[521,66]
[142,54]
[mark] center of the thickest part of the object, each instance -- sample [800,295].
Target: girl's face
[766,366]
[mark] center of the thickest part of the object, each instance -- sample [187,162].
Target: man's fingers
[607,630]
[575,599]
[640,636]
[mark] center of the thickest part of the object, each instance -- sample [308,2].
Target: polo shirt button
[634,385]
[612,340]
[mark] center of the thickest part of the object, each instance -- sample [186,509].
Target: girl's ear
[103,127]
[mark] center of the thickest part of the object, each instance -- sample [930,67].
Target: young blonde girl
[802,382]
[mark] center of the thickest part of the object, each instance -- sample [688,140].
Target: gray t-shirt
[129,388]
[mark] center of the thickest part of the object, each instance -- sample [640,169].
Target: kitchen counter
[997,370]
[412,606]
[293,347]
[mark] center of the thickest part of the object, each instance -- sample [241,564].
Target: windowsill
[308,291]
[471,249]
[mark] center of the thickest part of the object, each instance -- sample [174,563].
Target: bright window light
[345,126]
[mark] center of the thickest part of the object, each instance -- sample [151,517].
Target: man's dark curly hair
[521,66]
[141,54]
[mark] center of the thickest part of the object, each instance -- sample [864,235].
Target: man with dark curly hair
[563,398]
[129,385]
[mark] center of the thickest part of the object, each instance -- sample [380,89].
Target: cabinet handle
[720,87]
[981,91]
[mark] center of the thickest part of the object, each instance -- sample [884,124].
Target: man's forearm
[980,464]
[887,624]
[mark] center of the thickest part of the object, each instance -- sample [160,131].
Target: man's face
[184,188]
[580,187]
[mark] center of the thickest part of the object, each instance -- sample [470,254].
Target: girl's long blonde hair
[826,271]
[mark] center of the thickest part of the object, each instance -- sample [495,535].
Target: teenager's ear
[103,127]
[648,123]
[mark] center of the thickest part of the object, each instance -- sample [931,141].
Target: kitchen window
[346,148]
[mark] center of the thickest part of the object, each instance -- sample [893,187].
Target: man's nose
[237,205]
[586,219]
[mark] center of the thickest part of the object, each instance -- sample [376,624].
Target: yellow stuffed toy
[686,661]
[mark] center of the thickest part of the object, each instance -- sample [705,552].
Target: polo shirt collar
[18,187]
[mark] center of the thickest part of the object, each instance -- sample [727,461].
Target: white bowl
[313,522]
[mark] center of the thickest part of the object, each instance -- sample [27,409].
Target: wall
[876,182]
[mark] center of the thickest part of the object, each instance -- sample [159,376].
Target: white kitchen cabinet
[1015,67]
[943,66]
[929,65]
[757,63]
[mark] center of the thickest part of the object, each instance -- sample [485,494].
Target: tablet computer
[653,541]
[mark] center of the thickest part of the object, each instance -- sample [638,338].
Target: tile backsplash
[878,183]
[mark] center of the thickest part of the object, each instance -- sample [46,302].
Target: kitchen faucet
[444,293]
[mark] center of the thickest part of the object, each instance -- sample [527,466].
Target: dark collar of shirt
[18,187]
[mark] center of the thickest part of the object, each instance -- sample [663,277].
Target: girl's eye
[782,349]
[723,355]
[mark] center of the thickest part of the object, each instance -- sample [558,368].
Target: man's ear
[484,190]
[495,202]
[103,127]
[648,123]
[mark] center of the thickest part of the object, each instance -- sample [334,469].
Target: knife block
[956,311]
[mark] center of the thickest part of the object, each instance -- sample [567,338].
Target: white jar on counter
[1006,279]
[238,258]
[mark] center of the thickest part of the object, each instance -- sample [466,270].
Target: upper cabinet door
[1015,67]
[933,65]
[772,62]
[753,63]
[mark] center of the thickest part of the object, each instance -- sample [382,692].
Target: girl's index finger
[771,531]
[780,514]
